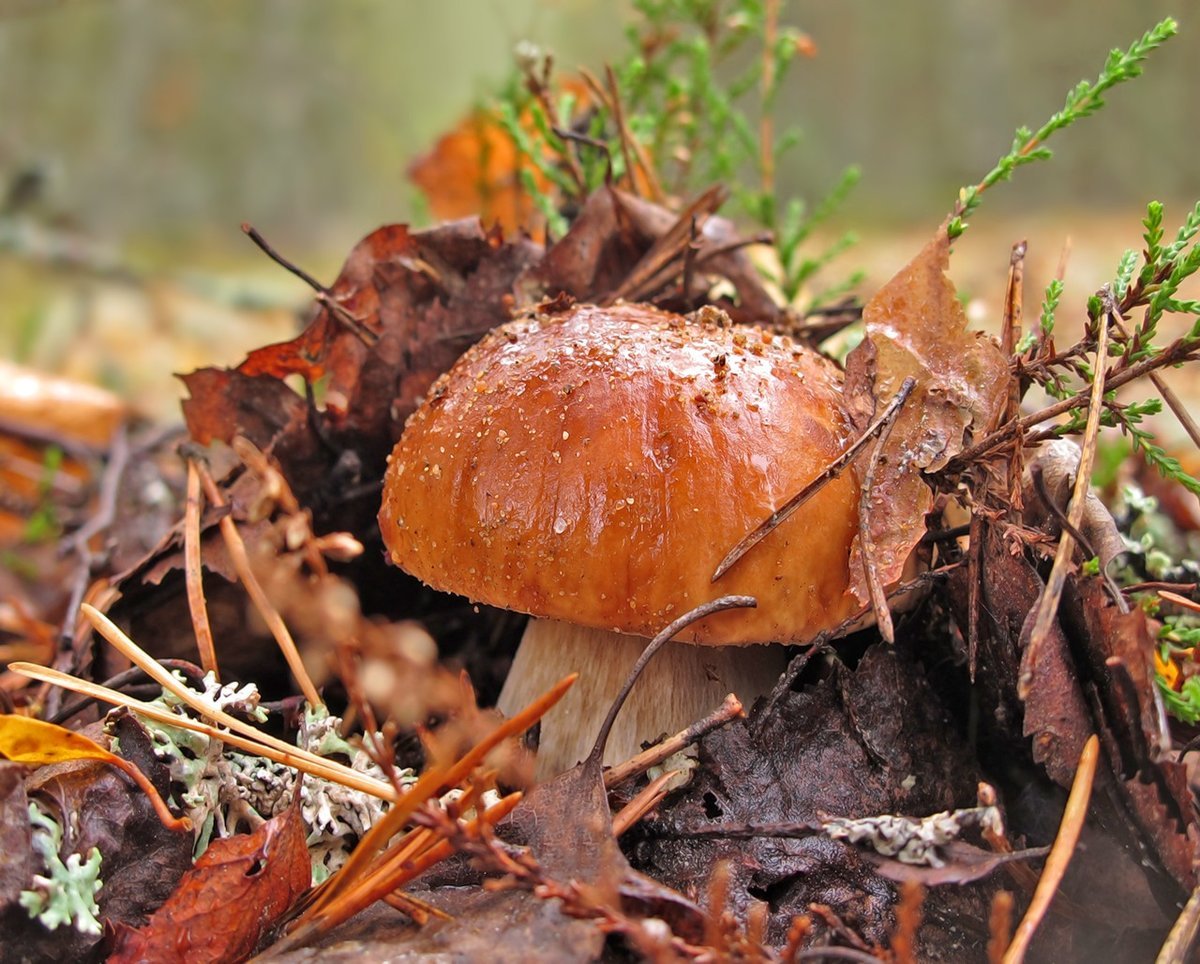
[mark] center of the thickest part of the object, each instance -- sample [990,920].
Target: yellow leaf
[26,740]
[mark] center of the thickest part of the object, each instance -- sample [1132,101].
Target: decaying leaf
[225,904]
[916,326]
[852,743]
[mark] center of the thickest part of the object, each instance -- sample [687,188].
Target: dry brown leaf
[916,326]
[229,899]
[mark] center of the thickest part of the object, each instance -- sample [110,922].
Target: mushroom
[591,466]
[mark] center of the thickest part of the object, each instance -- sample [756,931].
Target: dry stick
[324,295]
[1010,336]
[999,926]
[974,590]
[151,667]
[613,99]
[776,518]
[292,756]
[658,642]
[1178,600]
[375,839]
[258,463]
[645,276]
[1060,853]
[643,802]
[1055,510]
[731,709]
[270,615]
[1048,604]
[766,125]
[1180,944]
[192,574]
[364,893]
[623,132]
[1178,351]
[883,615]
[1178,409]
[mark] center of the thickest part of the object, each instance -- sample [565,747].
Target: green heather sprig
[1148,291]
[698,119]
[1084,99]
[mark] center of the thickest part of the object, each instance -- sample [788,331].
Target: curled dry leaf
[916,326]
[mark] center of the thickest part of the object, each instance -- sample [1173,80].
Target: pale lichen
[66,892]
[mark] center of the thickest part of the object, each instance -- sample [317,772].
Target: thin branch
[270,615]
[1180,944]
[1048,604]
[693,615]
[325,296]
[193,573]
[1178,351]
[731,709]
[1060,854]
[1174,403]
[649,797]
[260,744]
[883,615]
[780,515]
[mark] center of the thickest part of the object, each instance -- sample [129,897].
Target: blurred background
[138,134]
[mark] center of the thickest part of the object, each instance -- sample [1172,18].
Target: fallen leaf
[27,740]
[852,742]
[60,407]
[16,868]
[229,900]
[915,326]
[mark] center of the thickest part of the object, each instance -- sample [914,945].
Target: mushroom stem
[679,685]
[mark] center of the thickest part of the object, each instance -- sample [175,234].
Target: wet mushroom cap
[595,464]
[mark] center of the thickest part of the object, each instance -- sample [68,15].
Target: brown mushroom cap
[595,465]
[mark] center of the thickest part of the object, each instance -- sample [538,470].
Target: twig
[324,295]
[358,894]
[1060,854]
[259,744]
[1178,351]
[766,124]
[1039,483]
[101,520]
[776,518]
[731,709]
[193,574]
[1173,401]
[1177,600]
[375,840]
[883,615]
[1048,604]
[1180,945]
[974,587]
[646,276]
[611,99]
[693,615]
[999,926]
[270,615]
[1010,337]
[643,802]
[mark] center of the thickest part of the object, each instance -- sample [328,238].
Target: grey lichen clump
[913,840]
[66,892]
[224,790]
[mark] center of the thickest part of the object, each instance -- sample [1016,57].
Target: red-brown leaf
[225,904]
